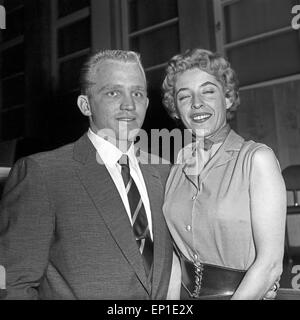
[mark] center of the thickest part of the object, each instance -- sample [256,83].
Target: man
[67,226]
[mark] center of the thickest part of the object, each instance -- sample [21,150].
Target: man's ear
[84,105]
[147,103]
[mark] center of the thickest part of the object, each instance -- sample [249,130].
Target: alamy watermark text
[2,18]
[296,19]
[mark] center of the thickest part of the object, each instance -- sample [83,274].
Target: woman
[225,201]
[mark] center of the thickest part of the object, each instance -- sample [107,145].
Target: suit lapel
[156,193]
[102,190]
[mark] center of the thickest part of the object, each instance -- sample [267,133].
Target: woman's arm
[268,215]
[175,280]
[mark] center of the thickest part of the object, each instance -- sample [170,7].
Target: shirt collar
[189,153]
[108,152]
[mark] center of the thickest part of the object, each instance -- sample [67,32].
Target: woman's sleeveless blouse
[210,221]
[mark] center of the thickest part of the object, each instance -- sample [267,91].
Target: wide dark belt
[206,281]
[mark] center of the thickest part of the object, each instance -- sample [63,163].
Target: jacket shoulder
[53,156]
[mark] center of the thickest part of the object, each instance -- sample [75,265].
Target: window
[152,29]
[262,47]
[66,7]
[262,51]
[12,78]
[72,44]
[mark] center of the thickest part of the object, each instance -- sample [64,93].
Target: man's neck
[122,145]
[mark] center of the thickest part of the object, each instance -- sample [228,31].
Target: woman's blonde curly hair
[212,63]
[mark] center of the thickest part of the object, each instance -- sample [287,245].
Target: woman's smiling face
[201,102]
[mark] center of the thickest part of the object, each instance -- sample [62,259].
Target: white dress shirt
[110,156]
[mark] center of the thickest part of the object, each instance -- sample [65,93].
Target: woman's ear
[84,106]
[228,101]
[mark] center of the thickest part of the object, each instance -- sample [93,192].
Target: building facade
[46,41]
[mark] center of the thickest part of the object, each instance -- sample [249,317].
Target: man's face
[118,99]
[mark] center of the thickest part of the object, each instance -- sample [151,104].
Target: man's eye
[138,94]
[112,93]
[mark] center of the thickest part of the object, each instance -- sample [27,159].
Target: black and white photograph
[150,151]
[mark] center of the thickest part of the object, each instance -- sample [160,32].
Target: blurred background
[46,41]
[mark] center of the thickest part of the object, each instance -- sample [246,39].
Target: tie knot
[124,161]
[208,144]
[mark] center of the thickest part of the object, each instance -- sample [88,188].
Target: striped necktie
[140,224]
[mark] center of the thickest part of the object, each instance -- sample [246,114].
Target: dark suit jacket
[65,234]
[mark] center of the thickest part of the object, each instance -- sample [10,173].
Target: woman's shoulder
[250,148]
[259,153]
[242,145]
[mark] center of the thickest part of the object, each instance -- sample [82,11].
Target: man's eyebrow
[117,86]
[109,87]
[139,88]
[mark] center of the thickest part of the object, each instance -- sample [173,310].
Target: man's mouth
[201,117]
[126,118]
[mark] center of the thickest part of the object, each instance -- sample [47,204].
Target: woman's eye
[182,98]
[208,91]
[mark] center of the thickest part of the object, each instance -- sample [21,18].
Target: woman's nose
[197,102]
[197,105]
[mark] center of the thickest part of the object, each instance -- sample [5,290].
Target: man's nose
[127,103]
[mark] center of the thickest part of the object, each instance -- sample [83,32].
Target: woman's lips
[200,117]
